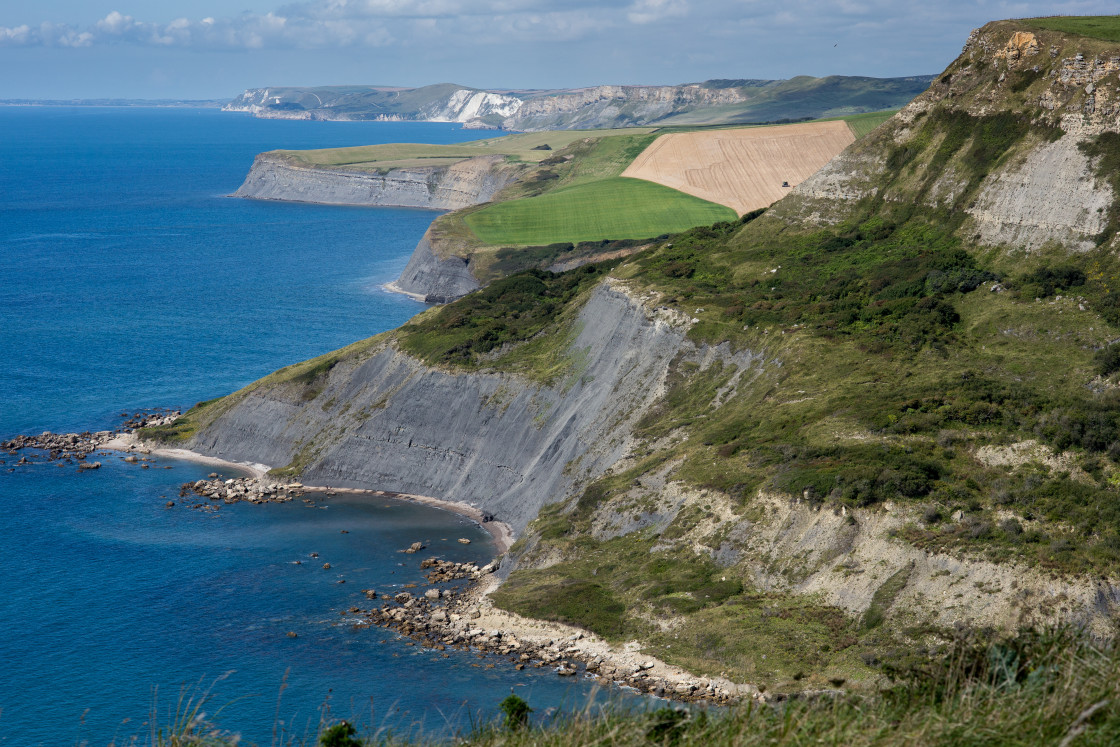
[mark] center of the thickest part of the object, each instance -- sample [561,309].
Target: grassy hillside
[613,208]
[863,124]
[805,97]
[1038,689]
[912,372]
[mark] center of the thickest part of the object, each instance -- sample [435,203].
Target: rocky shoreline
[441,617]
[71,448]
[450,618]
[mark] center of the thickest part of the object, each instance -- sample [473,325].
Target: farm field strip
[614,208]
[742,168]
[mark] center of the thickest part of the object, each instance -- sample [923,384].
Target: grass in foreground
[616,208]
[1050,687]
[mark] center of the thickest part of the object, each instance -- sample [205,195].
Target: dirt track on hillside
[743,169]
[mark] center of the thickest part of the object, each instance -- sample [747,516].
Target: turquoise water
[130,281]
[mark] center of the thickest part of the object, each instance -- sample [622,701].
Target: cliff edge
[792,447]
[468,182]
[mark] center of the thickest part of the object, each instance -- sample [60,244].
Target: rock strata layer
[469,182]
[435,280]
[501,442]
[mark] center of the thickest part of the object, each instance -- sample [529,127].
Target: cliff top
[1106,28]
[532,147]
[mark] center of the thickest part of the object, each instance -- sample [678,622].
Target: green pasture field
[1098,27]
[862,124]
[520,147]
[614,208]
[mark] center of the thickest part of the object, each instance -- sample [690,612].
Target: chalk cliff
[713,101]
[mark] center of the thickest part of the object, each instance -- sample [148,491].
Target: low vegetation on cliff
[970,387]
[894,412]
[1053,687]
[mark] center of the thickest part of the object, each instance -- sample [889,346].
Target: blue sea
[130,280]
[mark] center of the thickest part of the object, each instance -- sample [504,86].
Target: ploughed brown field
[743,168]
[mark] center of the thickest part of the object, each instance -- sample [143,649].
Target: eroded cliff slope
[375,417]
[790,447]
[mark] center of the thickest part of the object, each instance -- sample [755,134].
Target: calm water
[130,281]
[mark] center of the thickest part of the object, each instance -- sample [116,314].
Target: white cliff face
[612,106]
[1051,196]
[600,106]
[465,105]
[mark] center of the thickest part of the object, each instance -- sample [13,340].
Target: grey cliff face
[469,182]
[437,280]
[506,444]
[452,187]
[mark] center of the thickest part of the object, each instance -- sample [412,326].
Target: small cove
[134,283]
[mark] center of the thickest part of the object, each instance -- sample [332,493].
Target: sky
[214,49]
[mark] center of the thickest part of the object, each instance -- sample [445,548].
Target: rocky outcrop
[1044,190]
[435,280]
[508,445]
[1051,196]
[469,182]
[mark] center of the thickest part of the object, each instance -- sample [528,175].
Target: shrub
[516,712]
[340,735]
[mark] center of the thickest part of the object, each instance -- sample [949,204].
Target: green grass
[863,124]
[614,208]
[520,147]
[709,622]
[1097,27]
[1037,688]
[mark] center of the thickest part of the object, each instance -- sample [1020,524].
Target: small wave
[39,236]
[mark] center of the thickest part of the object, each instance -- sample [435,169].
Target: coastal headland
[791,447]
[555,200]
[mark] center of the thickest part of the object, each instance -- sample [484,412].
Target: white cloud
[648,11]
[18,35]
[692,27]
[338,23]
